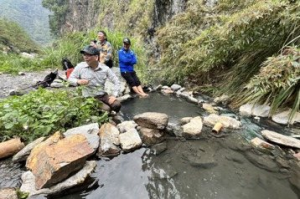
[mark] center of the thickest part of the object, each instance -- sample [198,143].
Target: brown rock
[55,159]
[151,136]
[152,120]
[10,147]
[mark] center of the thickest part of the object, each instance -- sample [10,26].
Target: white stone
[130,140]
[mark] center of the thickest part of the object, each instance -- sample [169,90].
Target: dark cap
[91,50]
[126,41]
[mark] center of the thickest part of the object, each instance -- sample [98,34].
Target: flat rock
[281,139]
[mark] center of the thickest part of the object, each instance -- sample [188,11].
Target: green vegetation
[30,15]
[221,50]
[14,39]
[43,112]
[59,9]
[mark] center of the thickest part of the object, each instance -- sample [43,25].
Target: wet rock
[8,193]
[166,90]
[90,131]
[125,97]
[109,136]
[281,139]
[262,161]
[10,174]
[24,153]
[126,125]
[55,159]
[78,178]
[152,120]
[209,108]
[173,130]
[228,122]
[130,140]
[166,173]
[262,145]
[157,149]
[295,175]
[151,136]
[193,128]
[206,161]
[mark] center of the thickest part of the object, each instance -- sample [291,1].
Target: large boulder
[90,131]
[55,159]
[152,120]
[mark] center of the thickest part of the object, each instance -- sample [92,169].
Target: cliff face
[86,14]
[81,15]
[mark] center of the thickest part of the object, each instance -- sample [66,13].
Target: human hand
[111,99]
[82,81]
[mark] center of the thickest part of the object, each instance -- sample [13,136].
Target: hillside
[30,15]
[14,38]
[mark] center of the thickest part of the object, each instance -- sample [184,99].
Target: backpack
[67,66]
[66,63]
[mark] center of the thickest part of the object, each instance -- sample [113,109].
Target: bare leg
[138,90]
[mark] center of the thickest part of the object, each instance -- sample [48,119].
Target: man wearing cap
[92,75]
[127,60]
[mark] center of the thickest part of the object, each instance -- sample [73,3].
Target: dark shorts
[131,78]
[115,106]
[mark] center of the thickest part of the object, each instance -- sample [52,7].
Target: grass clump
[42,112]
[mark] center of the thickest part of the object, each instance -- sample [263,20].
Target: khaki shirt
[105,49]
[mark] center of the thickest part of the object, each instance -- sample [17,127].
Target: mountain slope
[30,15]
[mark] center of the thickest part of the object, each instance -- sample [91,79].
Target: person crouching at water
[127,60]
[92,75]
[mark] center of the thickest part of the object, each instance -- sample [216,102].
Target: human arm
[75,77]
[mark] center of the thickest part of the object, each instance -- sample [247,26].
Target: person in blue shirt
[127,60]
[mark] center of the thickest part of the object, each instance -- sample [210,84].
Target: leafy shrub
[43,112]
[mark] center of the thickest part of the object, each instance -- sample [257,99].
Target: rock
[109,139]
[151,136]
[130,140]
[283,117]
[78,178]
[185,120]
[295,175]
[55,159]
[209,108]
[21,73]
[152,120]
[281,139]
[193,128]
[255,110]
[297,156]
[167,91]
[10,147]
[228,122]
[8,193]
[157,149]
[175,87]
[24,153]
[27,55]
[261,144]
[224,99]
[90,131]
[126,125]
[262,161]
[206,161]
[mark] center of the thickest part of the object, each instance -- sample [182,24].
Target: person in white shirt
[92,75]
